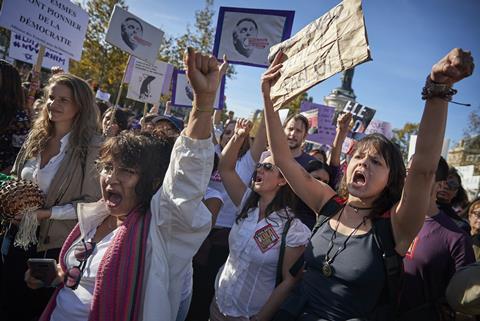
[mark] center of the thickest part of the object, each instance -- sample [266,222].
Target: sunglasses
[452,185]
[266,166]
[82,251]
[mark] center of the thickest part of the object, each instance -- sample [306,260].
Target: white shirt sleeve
[298,234]
[63,212]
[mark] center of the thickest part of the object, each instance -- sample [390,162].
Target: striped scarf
[119,281]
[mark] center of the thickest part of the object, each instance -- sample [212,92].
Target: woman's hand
[452,68]
[204,74]
[271,75]
[243,127]
[34,283]
[343,122]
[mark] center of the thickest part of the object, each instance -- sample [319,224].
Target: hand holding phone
[44,270]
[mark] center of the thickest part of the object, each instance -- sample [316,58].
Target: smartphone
[43,269]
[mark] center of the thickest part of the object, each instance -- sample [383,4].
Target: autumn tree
[101,61]
[401,137]
[473,127]
[294,105]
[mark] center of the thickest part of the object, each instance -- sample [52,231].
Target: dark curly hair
[392,191]
[143,152]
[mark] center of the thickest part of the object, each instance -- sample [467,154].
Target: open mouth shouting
[359,179]
[113,199]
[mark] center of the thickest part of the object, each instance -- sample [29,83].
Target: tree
[473,127]
[401,137]
[294,105]
[101,61]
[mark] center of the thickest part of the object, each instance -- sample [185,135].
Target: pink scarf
[119,282]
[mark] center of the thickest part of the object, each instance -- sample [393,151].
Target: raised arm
[204,73]
[410,212]
[313,192]
[343,126]
[231,180]
[260,142]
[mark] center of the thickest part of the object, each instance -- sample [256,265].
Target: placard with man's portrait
[246,35]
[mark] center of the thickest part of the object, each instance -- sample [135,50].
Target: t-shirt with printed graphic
[439,249]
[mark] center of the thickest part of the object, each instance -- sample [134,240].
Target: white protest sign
[148,82]
[25,49]
[133,35]
[413,143]
[103,96]
[381,127]
[57,24]
[335,42]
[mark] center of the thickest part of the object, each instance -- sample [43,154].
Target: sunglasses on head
[266,166]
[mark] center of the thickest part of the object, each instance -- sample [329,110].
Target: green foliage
[401,137]
[100,61]
[473,127]
[294,105]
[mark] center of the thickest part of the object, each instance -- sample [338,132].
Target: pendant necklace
[327,268]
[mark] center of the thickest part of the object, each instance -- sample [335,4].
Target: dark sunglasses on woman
[266,166]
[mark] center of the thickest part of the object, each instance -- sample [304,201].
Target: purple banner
[320,119]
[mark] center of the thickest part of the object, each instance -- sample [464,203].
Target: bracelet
[433,89]
[203,110]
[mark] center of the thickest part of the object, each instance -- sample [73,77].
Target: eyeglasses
[266,166]
[81,252]
[122,173]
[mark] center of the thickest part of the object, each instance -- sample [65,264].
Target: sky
[406,38]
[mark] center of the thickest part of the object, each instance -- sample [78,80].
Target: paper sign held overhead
[133,35]
[335,42]
[321,131]
[148,82]
[58,25]
[246,35]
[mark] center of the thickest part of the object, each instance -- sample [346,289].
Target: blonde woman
[58,155]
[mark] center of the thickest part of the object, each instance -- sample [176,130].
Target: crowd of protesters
[159,218]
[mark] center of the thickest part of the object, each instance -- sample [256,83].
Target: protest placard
[26,49]
[381,127]
[133,35]
[335,42]
[58,25]
[149,82]
[182,92]
[246,35]
[362,116]
[321,131]
[102,95]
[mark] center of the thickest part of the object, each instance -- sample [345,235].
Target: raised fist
[455,66]
[243,127]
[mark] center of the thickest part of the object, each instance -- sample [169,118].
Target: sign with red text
[133,35]
[59,25]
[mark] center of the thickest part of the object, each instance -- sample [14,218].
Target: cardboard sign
[148,82]
[133,35]
[182,92]
[57,24]
[335,42]
[25,49]
[246,35]
[320,120]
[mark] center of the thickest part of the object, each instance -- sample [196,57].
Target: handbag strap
[282,251]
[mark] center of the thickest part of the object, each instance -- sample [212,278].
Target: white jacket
[180,223]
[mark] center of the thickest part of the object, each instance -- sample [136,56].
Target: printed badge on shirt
[266,238]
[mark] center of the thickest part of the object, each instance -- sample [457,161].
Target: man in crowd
[296,129]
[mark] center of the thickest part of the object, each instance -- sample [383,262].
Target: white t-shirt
[74,305]
[244,168]
[247,279]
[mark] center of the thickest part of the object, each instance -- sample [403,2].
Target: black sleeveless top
[354,289]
